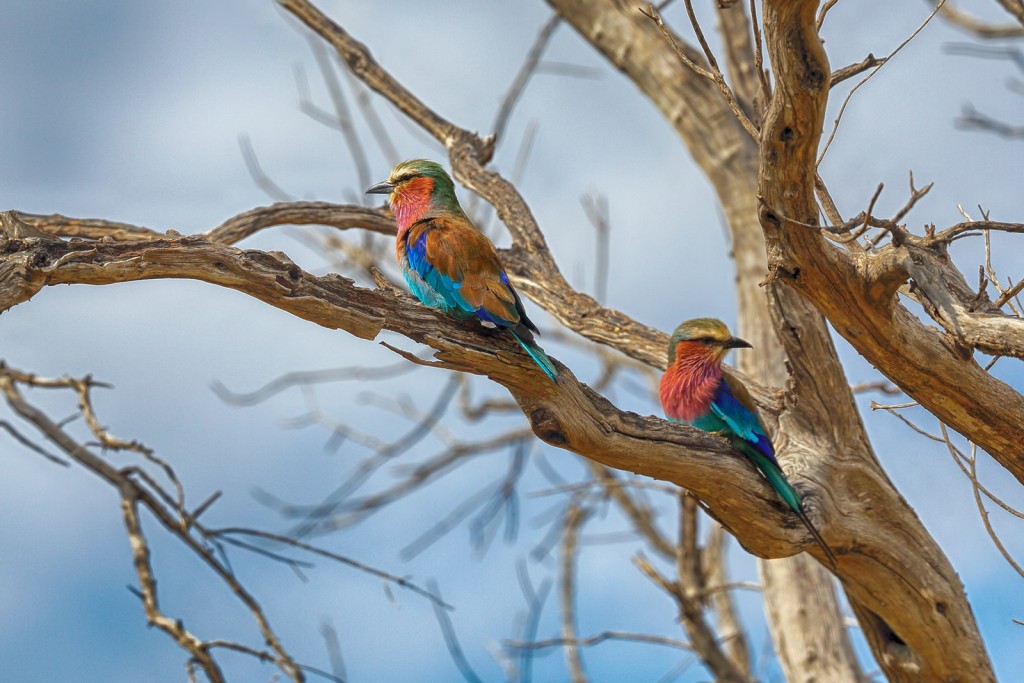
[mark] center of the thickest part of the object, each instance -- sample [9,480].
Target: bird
[694,391]
[447,262]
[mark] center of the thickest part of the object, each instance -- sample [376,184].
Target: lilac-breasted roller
[696,392]
[446,261]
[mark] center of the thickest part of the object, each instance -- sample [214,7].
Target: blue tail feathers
[538,356]
[773,473]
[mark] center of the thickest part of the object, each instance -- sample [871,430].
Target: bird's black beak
[383,187]
[737,343]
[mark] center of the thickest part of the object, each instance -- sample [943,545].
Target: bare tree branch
[877,65]
[980,28]
[526,71]
[689,594]
[715,590]
[713,73]
[132,494]
[597,639]
[575,517]
[451,640]
[792,130]
[823,448]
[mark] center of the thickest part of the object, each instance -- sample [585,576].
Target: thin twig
[715,75]
[765,93]
[961,460]
[526,71]
[713,568]
[702,638]
[825,7]
[883,62]
[972,460]
[132,494]
[982,29]
[597,639]
[306,378]
[147,588]
[880,386]
[262,180]
[1005,297]
[342,114]
[535,600]
[869,62]
[400,581]
[451,641]
[596,209]
[31,445]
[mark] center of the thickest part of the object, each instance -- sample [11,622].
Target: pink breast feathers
[411,202]
[689,385]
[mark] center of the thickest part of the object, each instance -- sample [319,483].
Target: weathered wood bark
[805,619]
[858,297]
[810,649]
[923,632]
[803,594]
[716,141]
[807,624]
[856,291]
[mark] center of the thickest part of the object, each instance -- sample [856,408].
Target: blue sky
[131,111]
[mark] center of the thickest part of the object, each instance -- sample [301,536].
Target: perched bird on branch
[696,392]
[446,261]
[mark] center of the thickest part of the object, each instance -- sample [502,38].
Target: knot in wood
[769,216]
[358,58]
[43,255]
[39,260]
[546,426]
[812,78]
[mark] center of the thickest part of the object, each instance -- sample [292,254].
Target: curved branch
[980,28]
[538,278]
[568,415]
[341,216]
[730,158]
[231,231]
[64,226]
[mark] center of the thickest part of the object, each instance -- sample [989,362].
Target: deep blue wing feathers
[740,420]
[734,418]
[440,290]
[430,286]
